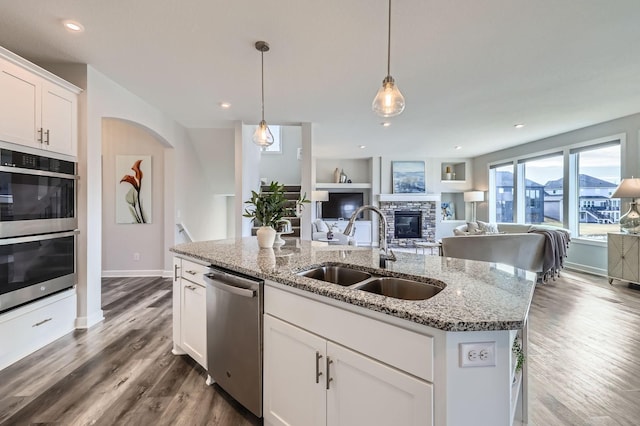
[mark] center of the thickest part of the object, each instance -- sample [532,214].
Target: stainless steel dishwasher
[234,335]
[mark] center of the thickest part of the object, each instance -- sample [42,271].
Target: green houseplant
[266,209]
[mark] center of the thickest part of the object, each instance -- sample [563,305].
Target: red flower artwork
[133,196]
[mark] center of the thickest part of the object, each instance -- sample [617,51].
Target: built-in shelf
[453,172]
[355,185]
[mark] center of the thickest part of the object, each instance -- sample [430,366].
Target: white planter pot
[266,236]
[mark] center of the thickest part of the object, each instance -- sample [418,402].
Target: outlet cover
[482,354]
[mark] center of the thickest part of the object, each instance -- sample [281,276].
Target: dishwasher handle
[216,280]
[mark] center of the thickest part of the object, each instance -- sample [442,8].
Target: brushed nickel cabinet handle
[175,272]
[40,135]
[191,272]
[190,287]
[329,378]
[47,134]
[318,372]
[41,322]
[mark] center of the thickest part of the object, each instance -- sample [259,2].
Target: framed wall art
[133,189]
[408,177]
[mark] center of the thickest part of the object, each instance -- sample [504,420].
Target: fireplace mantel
[409,197]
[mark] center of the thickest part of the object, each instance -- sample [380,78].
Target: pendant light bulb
[388,102]
[262,136]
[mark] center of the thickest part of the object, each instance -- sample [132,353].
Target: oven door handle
[32,238]
[7,168]
[244,292]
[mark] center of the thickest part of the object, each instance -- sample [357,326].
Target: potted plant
[268,209]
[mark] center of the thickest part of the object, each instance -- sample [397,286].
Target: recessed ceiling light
[362,146]
[458,147]
[73,26]
[225,105]
[518,126]
[386,123]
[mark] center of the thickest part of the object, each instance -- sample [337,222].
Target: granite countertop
[478,295]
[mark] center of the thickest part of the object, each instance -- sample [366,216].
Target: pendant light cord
[389,43]
[262,60]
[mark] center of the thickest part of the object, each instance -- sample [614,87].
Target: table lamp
[473,197]
[319,197]
[629,188]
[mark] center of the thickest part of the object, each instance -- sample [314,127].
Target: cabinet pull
[190,287]
[40,135]
[41,322]
[329,378]
[47,135]
[175,272]
[191,272]
[318,372]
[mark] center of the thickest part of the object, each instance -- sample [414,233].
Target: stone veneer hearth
[428,210]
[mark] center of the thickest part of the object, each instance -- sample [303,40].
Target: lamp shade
[628,188]
[472,196]
[320,195]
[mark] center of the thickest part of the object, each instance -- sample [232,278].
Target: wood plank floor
[584,363]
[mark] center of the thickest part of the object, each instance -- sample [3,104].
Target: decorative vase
[336,175]
[266,236]
[343,177]
[329,235]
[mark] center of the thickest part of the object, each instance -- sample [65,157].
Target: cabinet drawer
[33,326]
[193,272]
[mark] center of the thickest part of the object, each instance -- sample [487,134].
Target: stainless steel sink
[400,288]
[340,275]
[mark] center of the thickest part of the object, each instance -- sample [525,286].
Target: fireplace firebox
[407,224]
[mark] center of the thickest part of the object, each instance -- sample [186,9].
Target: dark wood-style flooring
[584,363]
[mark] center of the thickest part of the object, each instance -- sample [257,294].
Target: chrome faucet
[386,254]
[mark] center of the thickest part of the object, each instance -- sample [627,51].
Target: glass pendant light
[262,136]
[389,102]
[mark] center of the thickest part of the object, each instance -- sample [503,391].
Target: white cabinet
[28,328]
[623,252]
[190,310]
[362,232]
[312,381]
[35,111]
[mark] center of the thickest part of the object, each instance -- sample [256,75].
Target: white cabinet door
[59,119]
[366,392]
[177,291]
[623,252]
[20,109]
[193,321]
[294,375]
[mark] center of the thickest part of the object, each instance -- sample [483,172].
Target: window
[543,195]
[574,197]
[501,193]
[598,175]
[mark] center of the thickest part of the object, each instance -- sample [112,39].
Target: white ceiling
[469,69]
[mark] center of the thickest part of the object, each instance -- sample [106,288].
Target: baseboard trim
[586,268]
[90,321]
[136,273]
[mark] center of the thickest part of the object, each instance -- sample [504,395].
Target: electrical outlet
[481,354]
[136,256]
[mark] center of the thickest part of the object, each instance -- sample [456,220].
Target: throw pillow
[458,232]
[472,227]
[321,226]
[489,228]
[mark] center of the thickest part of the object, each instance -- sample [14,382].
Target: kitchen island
[447,360]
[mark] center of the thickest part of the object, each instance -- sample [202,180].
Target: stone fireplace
[411,218]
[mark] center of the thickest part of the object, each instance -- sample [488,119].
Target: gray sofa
[513,245]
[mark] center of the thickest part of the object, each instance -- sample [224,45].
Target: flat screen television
[341,205]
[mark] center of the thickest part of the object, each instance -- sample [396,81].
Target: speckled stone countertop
[477,295]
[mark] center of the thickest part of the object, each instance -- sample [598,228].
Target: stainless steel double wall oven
[37,226]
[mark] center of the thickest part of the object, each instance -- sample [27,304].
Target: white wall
[121,241]
[583,255]
[284,167]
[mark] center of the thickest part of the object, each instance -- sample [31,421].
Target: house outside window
[544,198]
[502,193]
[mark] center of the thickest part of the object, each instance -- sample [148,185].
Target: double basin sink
[399,288]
